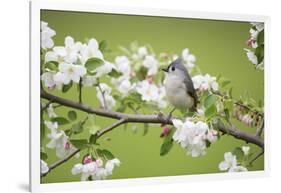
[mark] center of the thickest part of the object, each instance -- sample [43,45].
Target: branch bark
[139,118]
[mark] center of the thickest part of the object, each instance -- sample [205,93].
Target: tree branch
[260,129]
[138,118]
[232,130]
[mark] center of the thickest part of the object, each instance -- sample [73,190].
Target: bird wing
[190,90]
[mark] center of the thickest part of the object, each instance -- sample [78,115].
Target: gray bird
[179,87]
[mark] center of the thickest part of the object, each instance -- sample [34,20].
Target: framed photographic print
[124,95]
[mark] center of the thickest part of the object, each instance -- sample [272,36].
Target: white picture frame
[36,6]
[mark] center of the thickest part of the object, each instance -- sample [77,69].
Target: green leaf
[210,101]
[93,139]
[93,63]
[99,152]
[60,120]
[167,143]
[43,155]
[166,147]
[229,104]
[224,82]
[68,132]
[259,52]
[79,143]
[260,38]
[72,115]
[77,128]
[103,46]
[145,129]
[114,73]
[65,88]
[210,111]
[238,152]
[108,154]
[52,65]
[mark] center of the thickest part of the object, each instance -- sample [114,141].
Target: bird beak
[165,70]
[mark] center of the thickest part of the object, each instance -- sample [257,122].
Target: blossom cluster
[230,162]
[94,169]
[255,45]
[205,82]
[144,62]
[58,140]
[71,59]
[46,36]
[194,136]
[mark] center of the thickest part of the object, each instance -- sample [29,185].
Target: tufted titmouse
[179,87]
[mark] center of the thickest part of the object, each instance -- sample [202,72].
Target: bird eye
[173,68]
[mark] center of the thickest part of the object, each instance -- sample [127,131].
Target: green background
[218,47]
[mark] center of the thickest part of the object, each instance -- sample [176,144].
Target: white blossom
[104,69]
[48,79]
[238,169]
[95,169]
[104,96]
[205,82]
[152,64]
[246,150]
[51,112]
[123,65]
[142,51]
[69,72]
[110,164]
[229,161]
[188,59]
[212,135]
[191,136]
[123,85]
[43,167]
[46,36]
[251,56]
[152,92]
[67,53]
[259,26]
[90,50]
[58,140]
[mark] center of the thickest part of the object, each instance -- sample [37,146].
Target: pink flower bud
[250,42]
[87,159]
[67,146]
[165,131]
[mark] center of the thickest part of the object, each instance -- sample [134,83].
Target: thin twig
[241,105]
[80,91]
[46,106]
[102,94]
[120,122]
[256,157]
